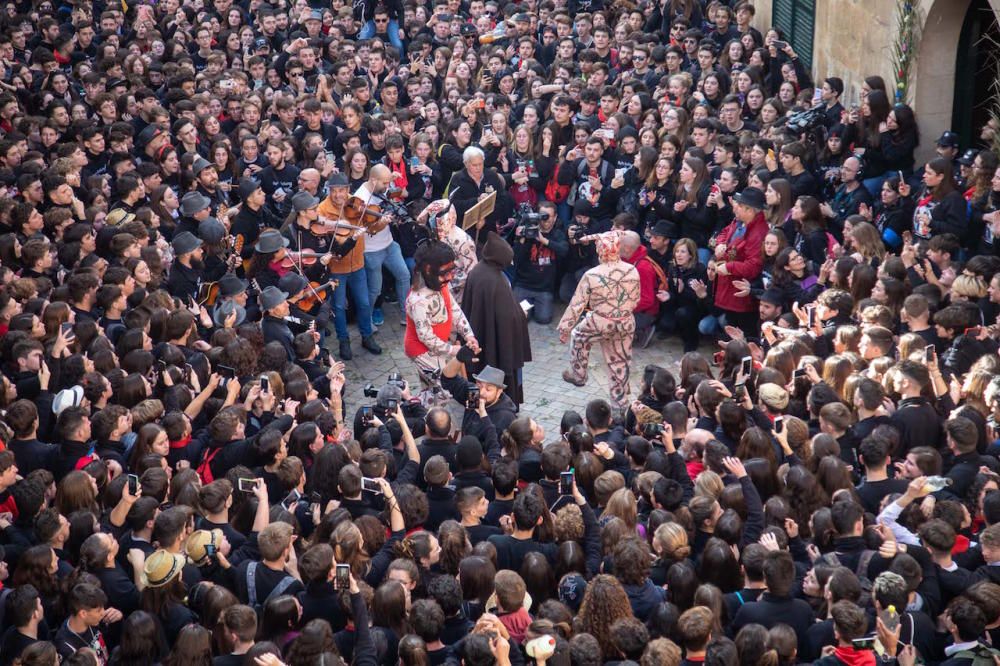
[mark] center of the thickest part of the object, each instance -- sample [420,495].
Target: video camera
[530,220]
[805,121]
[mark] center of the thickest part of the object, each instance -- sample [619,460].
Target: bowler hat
[230,285]
[194,202]
[211,230]
[247,187]
[751,197]
[185,242]
[270,240]
[302,200]
[272,297]
[292,283]
[491,375]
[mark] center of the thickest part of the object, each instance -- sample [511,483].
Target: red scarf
[181,443]
[852,657]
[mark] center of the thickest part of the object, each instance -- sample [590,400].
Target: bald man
[648,308]
[309,181]
[380,249]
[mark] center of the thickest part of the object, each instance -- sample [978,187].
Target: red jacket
[743,261]
[647,282]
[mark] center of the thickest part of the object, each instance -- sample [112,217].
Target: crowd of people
[195,199]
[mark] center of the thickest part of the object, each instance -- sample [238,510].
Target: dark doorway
[975,71]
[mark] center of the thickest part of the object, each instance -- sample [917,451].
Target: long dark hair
[141,642]
[944,167]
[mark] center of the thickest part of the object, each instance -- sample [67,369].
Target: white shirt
[382,239]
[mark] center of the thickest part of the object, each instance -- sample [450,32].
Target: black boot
[371,345]
[345,350]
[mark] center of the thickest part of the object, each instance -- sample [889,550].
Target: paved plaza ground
[547,395]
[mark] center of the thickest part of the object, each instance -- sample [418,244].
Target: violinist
[269,255]
[299,319]
[380,247]
[298,230]
[348,268]
[215,262]
[253,217]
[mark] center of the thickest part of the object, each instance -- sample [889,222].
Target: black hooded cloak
[495,315]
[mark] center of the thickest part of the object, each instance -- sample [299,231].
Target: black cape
[495,315]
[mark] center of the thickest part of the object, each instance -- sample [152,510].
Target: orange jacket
[353,260]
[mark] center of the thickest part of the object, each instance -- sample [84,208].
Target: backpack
[861,571]
[581,170]
[661,277]
[278,590]
[555,192]
[205,467]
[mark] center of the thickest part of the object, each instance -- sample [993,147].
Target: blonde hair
[672,540]
[969,286]
[708,484]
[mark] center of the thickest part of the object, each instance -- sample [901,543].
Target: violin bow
[301,266]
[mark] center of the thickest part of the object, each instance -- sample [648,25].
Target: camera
[805,121]
[370,391]
[530,220]
[396,379]
[652,430]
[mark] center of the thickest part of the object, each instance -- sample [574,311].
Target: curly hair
[604,602]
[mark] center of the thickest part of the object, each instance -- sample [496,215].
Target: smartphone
[566,483]
[391,405]
[371,485]
[747,366]
[864,643]
[133,484]
[811,314]
[367,414]
[801,372]
[187,372]
[67,331]
[291,499]
[472,398]
[210,550]
[770,153]
[780,45]
[343,577]
[265,383]
[414,162]
[741,391]
[779,424]
[715,188]
[929,354]
[227,372]
[161,366]
[247,485]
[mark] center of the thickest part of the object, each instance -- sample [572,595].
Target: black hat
[260,43]
[468,29]
[948,140]
[628,131]
[272,297]
[292,283]
[269,241]
[751,197]
[338,180]
[772,296]
[666,229]
[185,242]
[302,200]
[147,135]
[582,207]
[968,157]
[247,187]
[211,230]
[230,285]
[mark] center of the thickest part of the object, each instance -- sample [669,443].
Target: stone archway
[934,83]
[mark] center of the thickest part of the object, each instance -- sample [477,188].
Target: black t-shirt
[871,492]
[12,644]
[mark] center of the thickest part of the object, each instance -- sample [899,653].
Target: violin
[368,215]
[305,258]
[318,295]
[324,226]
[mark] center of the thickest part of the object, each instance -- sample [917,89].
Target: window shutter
[797,19]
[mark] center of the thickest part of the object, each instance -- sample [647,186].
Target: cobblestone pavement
[547,395]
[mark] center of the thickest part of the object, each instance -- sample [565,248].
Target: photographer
[489,387]
[394,392]
[582,255]
[539,247]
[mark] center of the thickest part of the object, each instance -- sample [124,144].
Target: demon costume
[433,314]
[460,242]
[500,324]
[601,311]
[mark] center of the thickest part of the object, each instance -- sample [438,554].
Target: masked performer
[441,216]
[608,293]
[433,314]
[496,317]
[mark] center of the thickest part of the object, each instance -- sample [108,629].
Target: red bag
[555,192]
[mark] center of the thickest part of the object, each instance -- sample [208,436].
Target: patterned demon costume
[433,314]
[605,297]
[460,242]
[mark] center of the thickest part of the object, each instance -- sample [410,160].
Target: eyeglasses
[639,58]
[295,75]
[383,20]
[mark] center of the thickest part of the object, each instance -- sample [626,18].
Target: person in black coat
[915,418]
[475,183]
[500,325]
[185,273]
[776,606]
